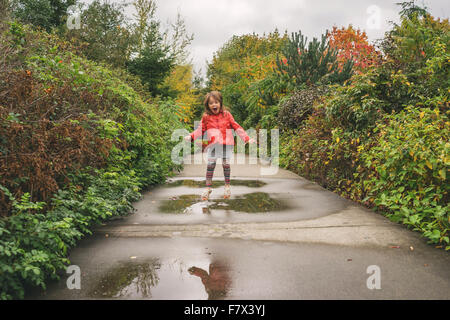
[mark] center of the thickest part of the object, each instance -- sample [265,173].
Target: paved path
[278,237]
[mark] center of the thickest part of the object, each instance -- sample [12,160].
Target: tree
[410,9]
[242,61]
[153,62]
[157,52]
[228,61]
[309,65]
[104,34]
[352,44]
[145,12]
[42,13]
[186,95]
[177,40]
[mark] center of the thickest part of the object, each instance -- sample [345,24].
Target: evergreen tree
[313,63]
[154,62]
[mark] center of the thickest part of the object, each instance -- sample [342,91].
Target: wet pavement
[203,268]
[277,237]
[252,200]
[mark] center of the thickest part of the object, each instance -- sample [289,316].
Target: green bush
[34,245]
[36,236]
[406,171]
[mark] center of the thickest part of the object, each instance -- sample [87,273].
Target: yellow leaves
[436,111]
[337,139]
[429,165]
[422,114]
[442,173]
[411,153]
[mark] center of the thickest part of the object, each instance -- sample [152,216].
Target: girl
[215,121]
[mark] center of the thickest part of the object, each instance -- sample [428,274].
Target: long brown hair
[216,95]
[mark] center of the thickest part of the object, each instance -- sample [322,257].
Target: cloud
[215,22]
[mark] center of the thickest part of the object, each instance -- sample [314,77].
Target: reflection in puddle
[216,183]
[216,282]
[152,279]
[256,202]
[179,204]
[127,280]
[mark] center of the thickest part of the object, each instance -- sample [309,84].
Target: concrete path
[278,237]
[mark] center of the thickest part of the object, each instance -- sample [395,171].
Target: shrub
[294,110]
[34,245]
[406,171]
[77,144]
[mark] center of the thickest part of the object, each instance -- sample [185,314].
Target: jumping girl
[215,121]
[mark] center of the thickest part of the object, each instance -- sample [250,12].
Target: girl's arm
[200,130]
[241,132]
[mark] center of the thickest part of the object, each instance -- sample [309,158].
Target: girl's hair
[216,95]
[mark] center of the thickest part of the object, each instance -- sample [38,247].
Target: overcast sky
[214,22]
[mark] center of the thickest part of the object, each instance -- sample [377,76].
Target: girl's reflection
[217,282]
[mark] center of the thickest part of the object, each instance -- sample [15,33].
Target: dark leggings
[210,170]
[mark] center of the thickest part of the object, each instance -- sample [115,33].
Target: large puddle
[141,280]
[257,202]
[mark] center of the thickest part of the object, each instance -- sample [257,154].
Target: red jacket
[216,126]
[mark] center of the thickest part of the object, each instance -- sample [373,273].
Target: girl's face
[214,105]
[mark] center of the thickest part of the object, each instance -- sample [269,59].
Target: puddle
[179,204]
[134,280]
[127,280]
[217,183]
[257,202]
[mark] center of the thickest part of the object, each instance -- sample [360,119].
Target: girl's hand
[252,140]
[187,138]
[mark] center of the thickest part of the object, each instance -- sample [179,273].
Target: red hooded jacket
[216,126]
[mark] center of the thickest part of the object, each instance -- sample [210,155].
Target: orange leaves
[353,44]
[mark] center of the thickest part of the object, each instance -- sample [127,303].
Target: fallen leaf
[412,248]
[349,260]
[106,235]
[425,265]
[133,257]
[395,247]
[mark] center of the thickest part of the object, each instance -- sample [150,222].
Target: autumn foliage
[353,44]
[42,148]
